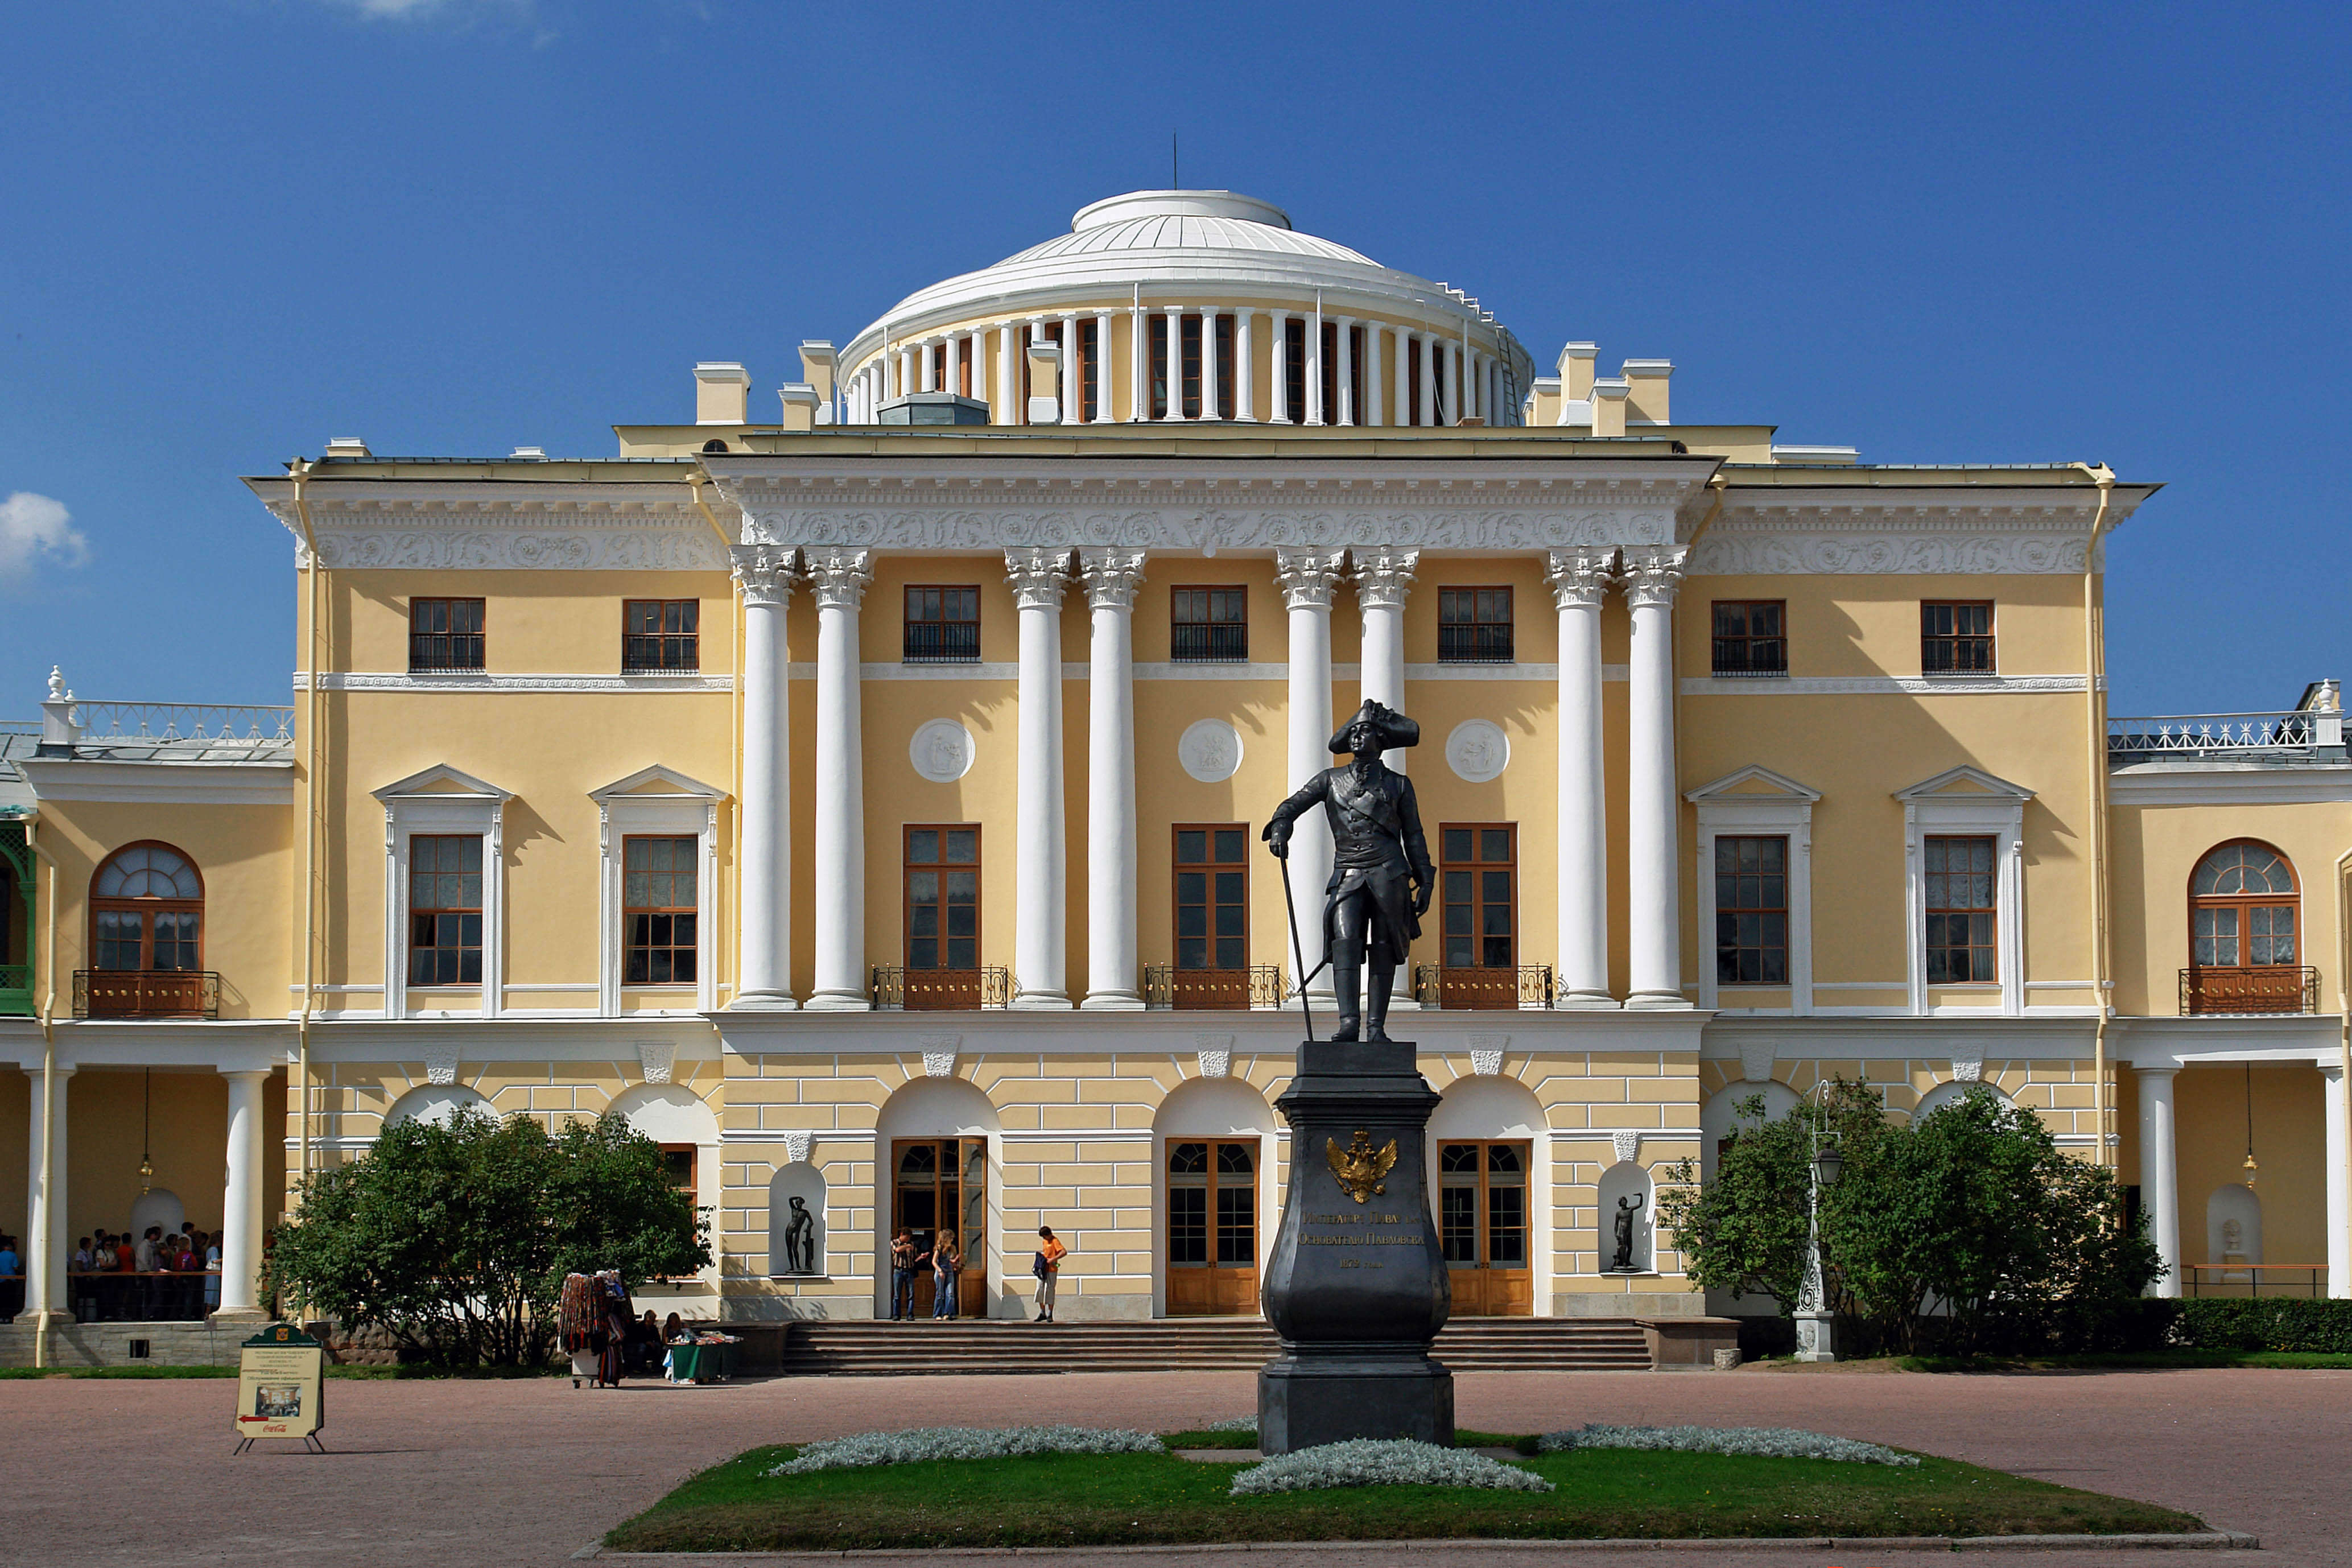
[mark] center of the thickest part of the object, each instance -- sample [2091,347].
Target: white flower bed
[1237,1424]
[1389,1463]
[921,1443]
[1768,1442]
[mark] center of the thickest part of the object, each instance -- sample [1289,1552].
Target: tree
[456,1236]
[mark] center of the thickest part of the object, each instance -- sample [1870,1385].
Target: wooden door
[942,905]
[1479,912]
[1211,885]
[1212,1227]
[1483,1220]
[941,1184]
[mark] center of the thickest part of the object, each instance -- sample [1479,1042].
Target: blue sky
[231,228]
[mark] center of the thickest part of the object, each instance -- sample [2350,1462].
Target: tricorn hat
[1395,729]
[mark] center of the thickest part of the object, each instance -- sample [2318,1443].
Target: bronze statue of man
[1381,880]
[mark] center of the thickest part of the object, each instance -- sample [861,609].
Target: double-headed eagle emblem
[1360,1168]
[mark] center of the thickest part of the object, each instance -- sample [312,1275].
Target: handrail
[2213,732]
[185,721]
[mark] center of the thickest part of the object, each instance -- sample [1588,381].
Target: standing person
[212,1274]
[945,1260]
[12,1289]
[1049,1269]
[143,1255]
[902,1275]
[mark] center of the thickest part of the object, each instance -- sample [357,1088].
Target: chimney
[722,391]
[347,447]
[528,454]
[1648,402]
[801,405]
[1609,400]
[1576,367]
[1045,385]
[817,370]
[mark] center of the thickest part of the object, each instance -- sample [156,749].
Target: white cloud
[418,10]
[33,529]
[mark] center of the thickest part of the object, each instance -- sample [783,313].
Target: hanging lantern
[2249,1167]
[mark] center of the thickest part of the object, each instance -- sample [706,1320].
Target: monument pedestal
[1357,1286]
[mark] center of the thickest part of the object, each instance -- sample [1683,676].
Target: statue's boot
[1377,1003]
[1344,977]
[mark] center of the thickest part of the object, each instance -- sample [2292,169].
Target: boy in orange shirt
[1048,1268]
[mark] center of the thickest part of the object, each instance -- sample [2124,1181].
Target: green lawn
[1067,1500]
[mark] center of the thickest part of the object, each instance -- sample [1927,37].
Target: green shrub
[2280,1324]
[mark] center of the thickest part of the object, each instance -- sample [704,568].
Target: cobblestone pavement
[426,1473]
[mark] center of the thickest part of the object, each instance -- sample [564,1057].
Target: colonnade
[1408,375]
[1307,578]
[49,1239]
[2159,1170]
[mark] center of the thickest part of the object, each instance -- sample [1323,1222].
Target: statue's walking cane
[1297,952]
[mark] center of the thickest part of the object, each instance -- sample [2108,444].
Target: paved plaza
[529,1472]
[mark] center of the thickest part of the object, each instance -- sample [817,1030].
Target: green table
[701,1364]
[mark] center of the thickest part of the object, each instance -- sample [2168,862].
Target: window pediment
[1965,783]
[445,782]
[1753,783]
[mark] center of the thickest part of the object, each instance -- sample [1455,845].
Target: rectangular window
[1749,638]
[1213,896]
[1478,873]
[1961,911]
[659,908]
[1189,333]
[445,634]
[1474,626]
[660,634]
[445,909]
[1089,369]
[942,624]
[1156,329]
[1294,369]
[943,898]
[1955,638]
[678,1167]
[1751,911]
[1209,626]
[1228,373]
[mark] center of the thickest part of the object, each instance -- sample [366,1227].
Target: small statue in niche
[800,1239]
[1627,1207]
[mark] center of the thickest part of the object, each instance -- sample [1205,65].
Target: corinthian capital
[1037,576]
[763,573]
[1111,576]
[1653,574]
[1306,576]
[1384,576]
[1579,576]
[837,576]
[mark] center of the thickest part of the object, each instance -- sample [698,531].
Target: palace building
[861,794]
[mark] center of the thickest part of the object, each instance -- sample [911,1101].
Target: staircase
[970,1345]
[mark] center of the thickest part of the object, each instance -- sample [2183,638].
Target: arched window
[2242,938]
[147,912]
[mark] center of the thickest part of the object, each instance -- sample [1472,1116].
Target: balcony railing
[146,994]
[2224,734]
[182,731]
[942,642]
[16,990]
[1526,987]
[2281,989]
[941,990]
[1474,644]
[1213,642]
[2254,1278]
[1259,985]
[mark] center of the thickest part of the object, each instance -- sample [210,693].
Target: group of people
[944,1258]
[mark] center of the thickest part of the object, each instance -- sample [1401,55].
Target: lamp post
[1816,1336]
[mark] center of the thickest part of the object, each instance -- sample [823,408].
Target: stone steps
[1197,1344]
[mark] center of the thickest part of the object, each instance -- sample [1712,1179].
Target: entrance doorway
[941,1184]
[1212,1227]
[1481,1216]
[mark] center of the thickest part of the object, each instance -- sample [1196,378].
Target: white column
[951,365]
[928,353]
[1652,808]
[1306,577]
[2338,1108]
[1139,366]
[837,580]
[241,1218]
[1403,375]
[1283,413]
[1112,979]
[763,959]
[1346,374]
[1372,331]
[1580,578]
[1244,369]
[1041,851]
[906,382]
[48,1246]
[1429,342]
[1383,578]
[1451,358]
[1315,413]
[1101,412]
[2159,1173]
[1209,402]
[1072,375]
[1175,362]
[1008,375]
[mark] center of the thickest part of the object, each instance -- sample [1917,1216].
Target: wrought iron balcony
[181,731]
[1259,985]
[1526,987]
[1483,642]
[1210,642]
[2249,736]
[895,986]
[942,642]
[2281,989]
[146,994]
